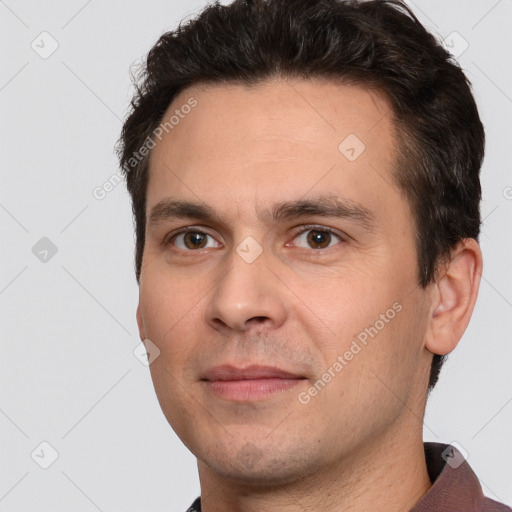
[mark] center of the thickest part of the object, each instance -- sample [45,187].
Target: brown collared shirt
[455,487]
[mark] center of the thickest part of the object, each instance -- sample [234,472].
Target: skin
[295,306]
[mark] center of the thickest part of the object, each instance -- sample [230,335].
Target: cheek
[179,407]
[169,314]
[169,309]
[166,298]
[373,382]
[375,323]
[391,351]
[348,304]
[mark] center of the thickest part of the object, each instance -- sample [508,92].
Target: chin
[257,466]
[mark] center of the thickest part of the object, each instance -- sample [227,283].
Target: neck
[388,474]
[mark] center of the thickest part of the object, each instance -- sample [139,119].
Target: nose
[247,295]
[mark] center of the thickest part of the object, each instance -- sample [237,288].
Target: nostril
[258,319]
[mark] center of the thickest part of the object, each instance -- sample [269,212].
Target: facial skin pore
[357,443]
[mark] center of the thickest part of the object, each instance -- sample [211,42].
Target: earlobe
[454,299]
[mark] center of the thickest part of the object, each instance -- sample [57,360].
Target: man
[305,185]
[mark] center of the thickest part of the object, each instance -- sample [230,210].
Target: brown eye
[190,240]
[317,238]
[194,240]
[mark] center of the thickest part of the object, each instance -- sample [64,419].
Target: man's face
[331,299]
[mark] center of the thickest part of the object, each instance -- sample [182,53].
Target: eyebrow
[324,206]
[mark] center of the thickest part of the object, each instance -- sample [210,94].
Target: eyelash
[168,240]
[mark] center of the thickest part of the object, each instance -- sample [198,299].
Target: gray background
[68,373]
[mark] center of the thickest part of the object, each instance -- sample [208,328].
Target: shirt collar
[455,486]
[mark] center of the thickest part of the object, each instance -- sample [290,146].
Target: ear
[454,297]
[140,323]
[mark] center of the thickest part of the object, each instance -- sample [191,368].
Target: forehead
[311,111]
[275,140]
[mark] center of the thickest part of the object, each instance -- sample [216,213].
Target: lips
[249,384]
[253,372]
